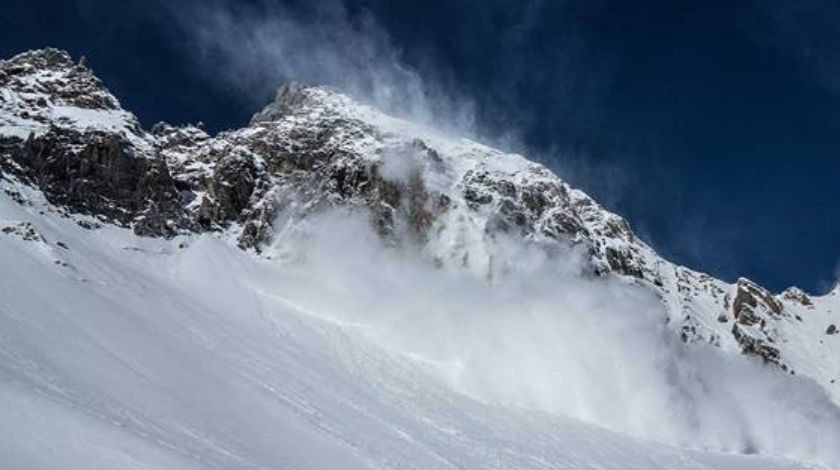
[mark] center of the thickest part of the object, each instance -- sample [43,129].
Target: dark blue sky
[714,127]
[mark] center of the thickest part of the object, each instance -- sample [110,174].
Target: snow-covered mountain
[332,287]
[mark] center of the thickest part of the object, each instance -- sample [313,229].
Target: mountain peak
[48,58]
[289,96]
[51,76]
[45,89]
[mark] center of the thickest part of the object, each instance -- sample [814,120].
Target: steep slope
[463,205]
[178,354]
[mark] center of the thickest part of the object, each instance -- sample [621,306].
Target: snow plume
[544,337]
[255,48]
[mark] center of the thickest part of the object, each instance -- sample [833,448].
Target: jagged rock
[98,174]
[748,298]
[289,96]
[24,230]
[228,191]
[162,213]
[755,310]
[797,295]
[832,329]
[622,261]
[258,229]
[755,346]
[69,83]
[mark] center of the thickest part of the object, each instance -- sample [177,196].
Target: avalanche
[126,352]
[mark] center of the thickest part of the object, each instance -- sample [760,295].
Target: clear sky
[713,126]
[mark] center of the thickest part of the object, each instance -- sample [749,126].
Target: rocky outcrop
[60,80]
[97,174]
[61,130]
[289,97]
[24,230]
[795,294]
[756,312]
[161,212]
[752,303]
[228,191]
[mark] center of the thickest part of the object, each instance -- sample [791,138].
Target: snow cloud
[541,336]
[256,47]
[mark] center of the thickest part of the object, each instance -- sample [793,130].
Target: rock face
[65,133]
[229,190]
[95,173]
[313,148]
[756,311]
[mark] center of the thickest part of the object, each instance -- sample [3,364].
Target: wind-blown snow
[696,303]
[125,352]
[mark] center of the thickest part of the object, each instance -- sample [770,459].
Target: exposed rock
[98,174]
[797,295]
[229,191]
[162,212]
[756,346]
[755,311]
[68,83]
[24,230]
[749,298]
[622,261]
[258,228]
[289,97]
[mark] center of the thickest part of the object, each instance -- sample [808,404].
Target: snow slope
[126,352]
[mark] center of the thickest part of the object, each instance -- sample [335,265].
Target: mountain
[146,269]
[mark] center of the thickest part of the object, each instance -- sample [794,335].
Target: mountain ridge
[62,132]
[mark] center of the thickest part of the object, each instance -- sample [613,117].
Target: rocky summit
[64,134]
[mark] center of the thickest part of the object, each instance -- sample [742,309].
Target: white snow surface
[124,352]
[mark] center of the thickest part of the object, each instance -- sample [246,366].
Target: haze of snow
[542,336]
[136,353]
[258,46]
